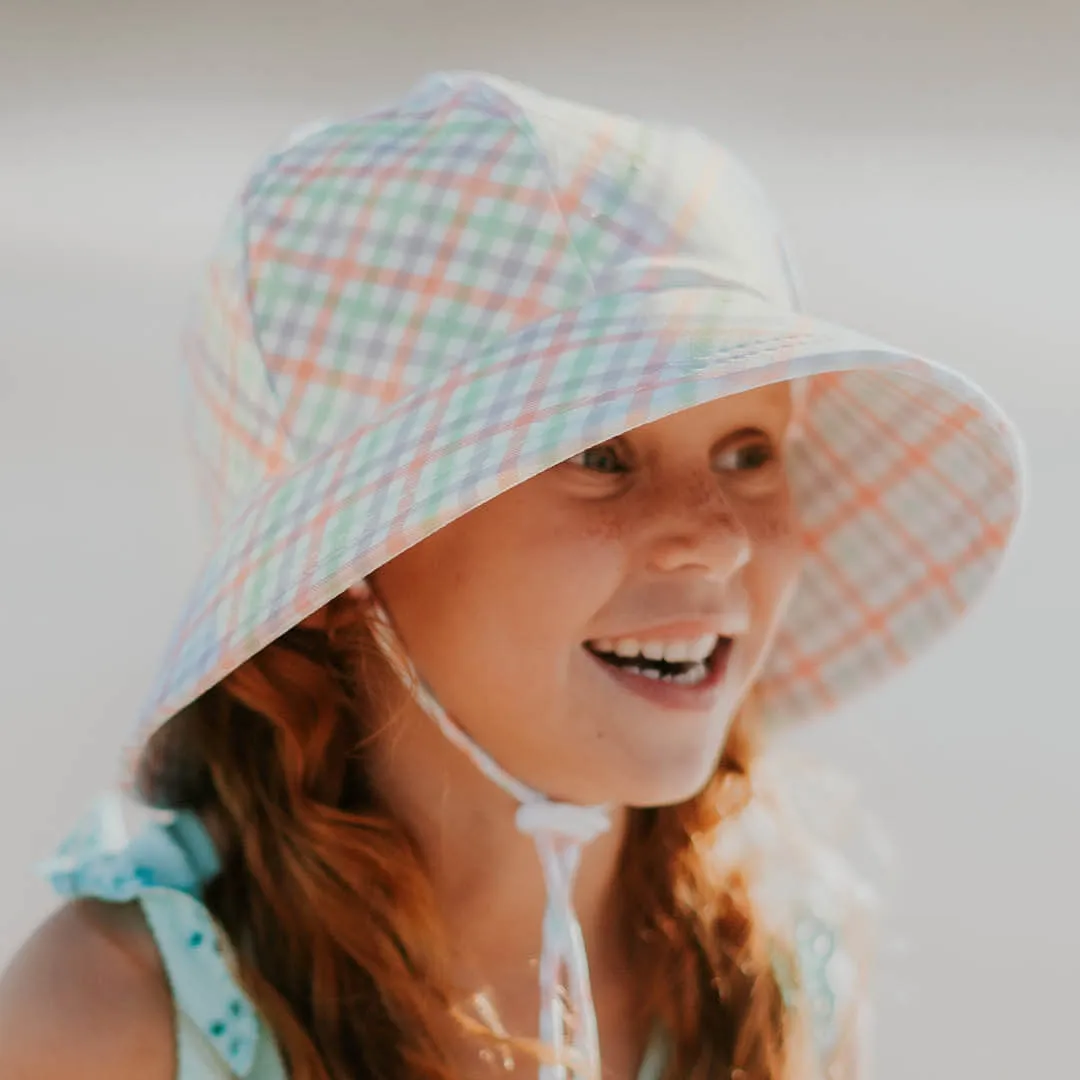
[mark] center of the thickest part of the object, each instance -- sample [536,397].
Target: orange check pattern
[411,311]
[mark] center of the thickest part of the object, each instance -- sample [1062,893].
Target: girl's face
[564,624]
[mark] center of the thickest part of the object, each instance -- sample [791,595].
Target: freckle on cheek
[698,492]
[605,527]
[772,523]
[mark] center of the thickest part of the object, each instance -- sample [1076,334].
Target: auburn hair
[329,910]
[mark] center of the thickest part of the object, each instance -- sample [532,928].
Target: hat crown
[367,259]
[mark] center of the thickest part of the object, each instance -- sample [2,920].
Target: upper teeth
[675,652]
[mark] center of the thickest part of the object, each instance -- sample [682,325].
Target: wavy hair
[324,895]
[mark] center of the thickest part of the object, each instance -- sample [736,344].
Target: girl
[536,501]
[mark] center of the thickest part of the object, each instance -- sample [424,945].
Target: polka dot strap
[164,864]
[194,950]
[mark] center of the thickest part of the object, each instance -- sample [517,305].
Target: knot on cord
[582,824]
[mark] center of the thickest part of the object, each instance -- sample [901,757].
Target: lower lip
[670,695]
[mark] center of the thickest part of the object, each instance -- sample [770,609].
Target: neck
[486,874]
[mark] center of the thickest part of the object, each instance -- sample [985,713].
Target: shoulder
[87,996]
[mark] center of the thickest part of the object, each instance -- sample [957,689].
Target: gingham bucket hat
[410,312]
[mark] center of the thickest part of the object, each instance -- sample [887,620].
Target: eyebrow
[766,408]
[774,406]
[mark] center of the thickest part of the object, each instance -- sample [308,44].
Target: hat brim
[908,479]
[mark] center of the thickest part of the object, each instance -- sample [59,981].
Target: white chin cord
[560,831]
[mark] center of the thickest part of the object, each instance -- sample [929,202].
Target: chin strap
[560,831]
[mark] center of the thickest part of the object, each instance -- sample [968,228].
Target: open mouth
[689,663]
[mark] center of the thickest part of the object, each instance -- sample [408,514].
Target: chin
[664,789]
[653,782]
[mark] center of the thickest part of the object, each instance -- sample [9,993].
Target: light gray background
[927,161]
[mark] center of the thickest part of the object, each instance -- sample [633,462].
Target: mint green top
[219,1033]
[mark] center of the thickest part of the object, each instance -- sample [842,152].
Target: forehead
[765,406]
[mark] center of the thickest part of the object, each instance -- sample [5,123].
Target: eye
[746,453]
[604,458]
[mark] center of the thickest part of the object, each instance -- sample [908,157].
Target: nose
[695,528]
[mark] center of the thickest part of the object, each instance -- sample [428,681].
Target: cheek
[514,581]
[571,564]
[494,612]
[772,522]
[776,540]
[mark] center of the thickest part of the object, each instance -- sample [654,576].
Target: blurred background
[926,159]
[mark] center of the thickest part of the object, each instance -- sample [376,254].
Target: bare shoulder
[87,996]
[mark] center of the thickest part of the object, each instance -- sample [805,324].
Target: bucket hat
[414,310]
